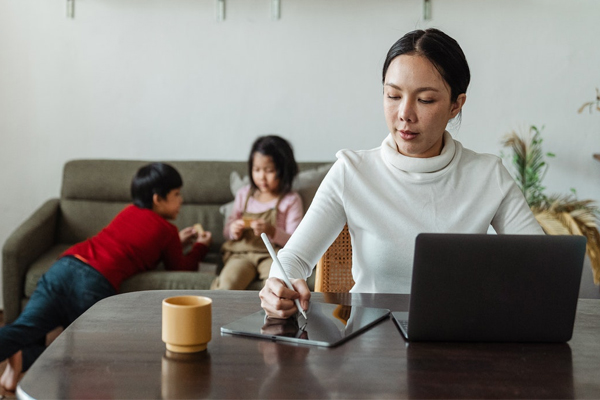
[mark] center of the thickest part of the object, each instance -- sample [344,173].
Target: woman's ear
[458,104]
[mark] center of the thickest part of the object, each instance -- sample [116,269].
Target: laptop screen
[476,287]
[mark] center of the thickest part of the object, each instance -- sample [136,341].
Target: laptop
[493,288]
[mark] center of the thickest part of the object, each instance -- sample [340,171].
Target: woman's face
[417,106]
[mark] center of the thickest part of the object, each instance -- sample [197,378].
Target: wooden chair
[334,269]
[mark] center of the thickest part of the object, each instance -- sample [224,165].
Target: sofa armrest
[27,243]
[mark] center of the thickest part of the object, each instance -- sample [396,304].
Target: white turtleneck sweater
[387,199]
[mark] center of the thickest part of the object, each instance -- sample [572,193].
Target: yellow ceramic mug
[186,323]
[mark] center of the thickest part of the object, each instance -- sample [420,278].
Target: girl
[419,180]
[267,205]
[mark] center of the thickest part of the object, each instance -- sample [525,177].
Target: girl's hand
[205,238]
[236,228]
[187,235]
[260,225]
[278,301]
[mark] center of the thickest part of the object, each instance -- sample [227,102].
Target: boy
[135,241]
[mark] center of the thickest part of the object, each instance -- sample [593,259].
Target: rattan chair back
[334,269]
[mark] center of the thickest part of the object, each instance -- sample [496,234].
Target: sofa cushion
[168,280]
[150,280]
[82,219]
[94,191]
[40,266]
[306,184]
[110,180]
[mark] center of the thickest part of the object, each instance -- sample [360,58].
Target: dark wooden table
[115,350]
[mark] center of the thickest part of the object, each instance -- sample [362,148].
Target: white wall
[161,79]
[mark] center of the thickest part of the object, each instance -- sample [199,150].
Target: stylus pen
[281,270]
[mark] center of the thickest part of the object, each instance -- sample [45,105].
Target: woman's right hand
[236,228]
[278,301]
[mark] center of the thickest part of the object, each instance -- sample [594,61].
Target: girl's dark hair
[282,154]
[156,178]
[441,50]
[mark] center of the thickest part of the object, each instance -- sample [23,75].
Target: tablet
[327,324]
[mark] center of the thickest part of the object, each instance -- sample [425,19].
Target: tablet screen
[327,324]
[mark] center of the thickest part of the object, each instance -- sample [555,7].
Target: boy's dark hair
[156,178]
[280,150]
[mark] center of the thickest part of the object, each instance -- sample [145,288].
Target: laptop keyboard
[404,325]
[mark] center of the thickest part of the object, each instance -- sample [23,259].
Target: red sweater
[135,241]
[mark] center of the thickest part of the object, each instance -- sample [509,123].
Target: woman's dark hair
[282,154]
[441,50]
[156,178]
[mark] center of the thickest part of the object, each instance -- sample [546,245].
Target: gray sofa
[94,191]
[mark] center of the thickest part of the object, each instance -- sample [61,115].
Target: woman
[419,180]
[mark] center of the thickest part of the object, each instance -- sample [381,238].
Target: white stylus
[281,270]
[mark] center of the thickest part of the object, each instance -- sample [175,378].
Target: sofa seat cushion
[168,280]
[151,280]
[41,265]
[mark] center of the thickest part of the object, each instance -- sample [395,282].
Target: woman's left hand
[260,225]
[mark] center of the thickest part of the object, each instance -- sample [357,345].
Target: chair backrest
[334,269]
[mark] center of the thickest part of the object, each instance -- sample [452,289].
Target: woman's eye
[393,97]
[426,101]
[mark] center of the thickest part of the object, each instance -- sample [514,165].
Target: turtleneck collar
[392,156]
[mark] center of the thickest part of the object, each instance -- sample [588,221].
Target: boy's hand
[260,225]
[187,235]
[205,238]
[236,228]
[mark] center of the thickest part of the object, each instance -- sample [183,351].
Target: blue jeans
[62,294]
